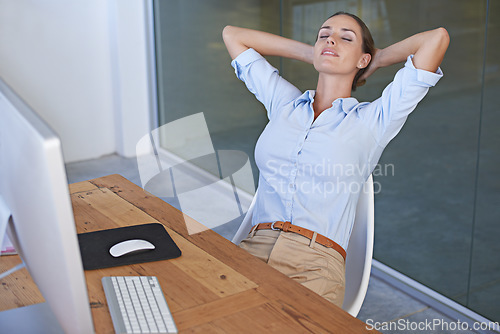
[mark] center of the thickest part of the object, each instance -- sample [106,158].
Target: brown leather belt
[288,227]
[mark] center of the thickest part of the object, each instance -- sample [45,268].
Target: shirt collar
[307,96]
[346,104]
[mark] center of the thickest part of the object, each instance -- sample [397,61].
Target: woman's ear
[364,60]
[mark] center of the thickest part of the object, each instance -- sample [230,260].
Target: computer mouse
[130,246]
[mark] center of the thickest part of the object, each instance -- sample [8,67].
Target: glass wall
[484,285]
[194,71]
[438,198]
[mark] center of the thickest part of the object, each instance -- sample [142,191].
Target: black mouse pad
[94,246]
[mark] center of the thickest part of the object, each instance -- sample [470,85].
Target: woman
[320,146]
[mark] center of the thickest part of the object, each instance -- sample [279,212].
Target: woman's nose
[330,40]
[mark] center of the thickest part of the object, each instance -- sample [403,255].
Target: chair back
[246,224]
[359,252]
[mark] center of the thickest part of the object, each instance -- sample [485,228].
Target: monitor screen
[34,187]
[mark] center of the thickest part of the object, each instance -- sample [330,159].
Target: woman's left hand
[373,66]
[428,48]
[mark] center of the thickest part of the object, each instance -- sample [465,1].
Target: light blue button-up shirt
[312,171]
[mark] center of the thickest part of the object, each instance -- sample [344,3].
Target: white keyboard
[137,305]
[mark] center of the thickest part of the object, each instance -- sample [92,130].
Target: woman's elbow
[232,39]
[433,47]
[439,44]
[227,32]
[442,36]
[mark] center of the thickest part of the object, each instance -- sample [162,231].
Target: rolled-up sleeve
[264,81]
[387,115]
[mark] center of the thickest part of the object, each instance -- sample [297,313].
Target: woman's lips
[329,52]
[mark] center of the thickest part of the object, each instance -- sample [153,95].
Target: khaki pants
[315,266]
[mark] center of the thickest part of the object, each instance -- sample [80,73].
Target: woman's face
[339,47]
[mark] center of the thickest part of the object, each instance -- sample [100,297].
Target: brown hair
[367,43]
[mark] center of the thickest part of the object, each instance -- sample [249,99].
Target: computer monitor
[34,187]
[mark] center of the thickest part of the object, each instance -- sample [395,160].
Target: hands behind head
[373,66]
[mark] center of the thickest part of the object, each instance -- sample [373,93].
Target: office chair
[359,252]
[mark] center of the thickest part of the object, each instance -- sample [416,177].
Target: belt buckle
[272,227]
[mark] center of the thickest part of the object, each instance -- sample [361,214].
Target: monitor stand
[37,318]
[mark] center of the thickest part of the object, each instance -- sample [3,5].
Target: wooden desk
[214,287]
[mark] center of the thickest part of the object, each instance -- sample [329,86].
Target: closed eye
[347,39]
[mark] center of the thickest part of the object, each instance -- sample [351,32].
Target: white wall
[63,58]
[133,64]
